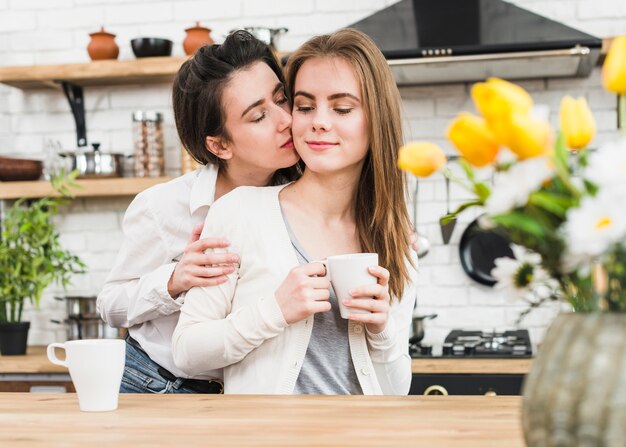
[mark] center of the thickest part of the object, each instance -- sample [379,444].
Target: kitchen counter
[36,362]
[30,419]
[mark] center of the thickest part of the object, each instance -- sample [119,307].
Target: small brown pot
[102,46]
[197,36]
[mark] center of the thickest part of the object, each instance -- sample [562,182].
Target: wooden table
[35,419]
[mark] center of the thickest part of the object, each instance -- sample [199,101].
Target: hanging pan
[478,250]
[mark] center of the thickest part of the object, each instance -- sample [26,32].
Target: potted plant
[564,208]
[31,258]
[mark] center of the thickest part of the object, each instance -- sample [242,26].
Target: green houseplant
[564,209]
[31,258]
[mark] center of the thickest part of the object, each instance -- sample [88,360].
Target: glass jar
[148,144]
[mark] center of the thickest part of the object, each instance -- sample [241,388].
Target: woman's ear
[215,146]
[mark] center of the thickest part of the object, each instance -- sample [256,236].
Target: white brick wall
[56,31]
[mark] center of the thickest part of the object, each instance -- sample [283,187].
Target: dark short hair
[199,87]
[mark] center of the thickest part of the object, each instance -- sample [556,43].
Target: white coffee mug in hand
[96,368]
[347,272]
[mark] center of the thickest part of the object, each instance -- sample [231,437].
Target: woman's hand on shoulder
[304,292]
[376,320]
[197,269]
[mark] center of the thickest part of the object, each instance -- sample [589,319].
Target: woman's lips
[320,145]
[288,144]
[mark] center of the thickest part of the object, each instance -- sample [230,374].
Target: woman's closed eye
[259,117]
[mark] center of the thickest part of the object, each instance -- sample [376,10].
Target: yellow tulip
[577,123]
[474,140]
[614,68]
[497,98]
[529,136]
[421,158]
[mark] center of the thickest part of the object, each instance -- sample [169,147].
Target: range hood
[439,41]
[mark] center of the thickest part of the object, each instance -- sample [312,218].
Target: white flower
[607,166]
[523,276]
[512,188]
[593,228]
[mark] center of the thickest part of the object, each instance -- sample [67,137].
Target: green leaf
[519,221]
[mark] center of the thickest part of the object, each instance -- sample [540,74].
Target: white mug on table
[347,272]
[96,368]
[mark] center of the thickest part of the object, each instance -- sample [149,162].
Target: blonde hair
[382,220]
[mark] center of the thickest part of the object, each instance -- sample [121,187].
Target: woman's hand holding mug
[304,292]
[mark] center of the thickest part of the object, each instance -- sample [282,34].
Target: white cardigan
[239,326]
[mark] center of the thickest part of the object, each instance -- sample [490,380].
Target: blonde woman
[275,325]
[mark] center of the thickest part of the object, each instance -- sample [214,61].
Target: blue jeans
[141,375]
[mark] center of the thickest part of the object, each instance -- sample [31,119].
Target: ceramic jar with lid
[102,46]
[197,36]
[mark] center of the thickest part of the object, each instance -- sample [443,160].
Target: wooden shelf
[110,72]
[125,186]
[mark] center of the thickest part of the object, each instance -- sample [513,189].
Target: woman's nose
[321,120]
[284,119]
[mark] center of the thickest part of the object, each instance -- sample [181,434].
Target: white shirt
[157,227]
[238,325]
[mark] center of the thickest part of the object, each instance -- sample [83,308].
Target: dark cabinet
[467,384]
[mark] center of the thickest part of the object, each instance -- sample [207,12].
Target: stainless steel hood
[439,41]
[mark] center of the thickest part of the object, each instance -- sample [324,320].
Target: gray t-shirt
[327,366]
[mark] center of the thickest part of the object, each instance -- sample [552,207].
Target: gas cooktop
[479,344]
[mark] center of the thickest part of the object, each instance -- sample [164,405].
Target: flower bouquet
[563,206]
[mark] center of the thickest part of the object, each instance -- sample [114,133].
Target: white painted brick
[114,204]
[482,318]
[104,241]
[480,295]
[442,254]
[141,97]
[138,13]
[5,123]
[97,280]
[429,128]
[41,4]
[262,8]
[441,297]
[606,120]
[28,41]
[601,99]
[75,55]
[418,108]
[10,58]
[433,91]
[16,21]
[72,241]
[43,122]
[349,5]
[99,262]
[108,119]
[88,19]
[104,2]
[597,9]
[423,276]
[452,275]
[4,4]
[206,12]
[452,106]
[88,221]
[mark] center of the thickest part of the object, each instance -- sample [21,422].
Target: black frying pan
[478,250]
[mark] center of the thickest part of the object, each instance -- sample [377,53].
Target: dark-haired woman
[233,116]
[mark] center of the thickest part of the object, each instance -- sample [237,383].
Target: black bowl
[151,47]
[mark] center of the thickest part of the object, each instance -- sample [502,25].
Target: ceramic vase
[102,46]
[197,36]
[575,393]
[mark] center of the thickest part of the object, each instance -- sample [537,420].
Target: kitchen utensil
[95,164]
[80,307]
[447,225]
[148,144]
[19,169]
[264,34]
[151,47]
[87,328]
[196,37]
[423,244]
[417,324]
[478,250]
[102,46]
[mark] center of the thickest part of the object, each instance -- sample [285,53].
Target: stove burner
[460,343]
